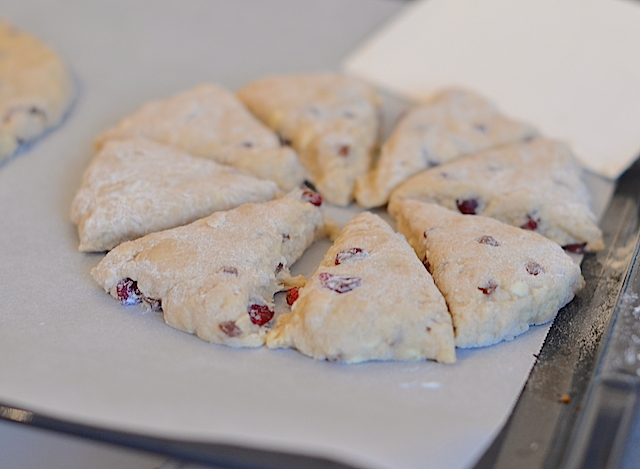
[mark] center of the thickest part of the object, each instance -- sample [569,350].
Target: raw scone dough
[35,89]
[135,187]
[454,124]
[217,276]
[371,299]
[497,279]
[535,185]
[331,120]
[209,121]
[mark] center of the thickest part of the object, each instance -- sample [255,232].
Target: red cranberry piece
[339,283]
[260,314]
[531,223]
[127,291]
[284,142]
[312,197]
[285,236]
[292,295]
[230,328]
[230,271]
[344,150]
[488,240]
[152,304]
[489,287]
[352,254]
[468,206]
[575,248]
[426,263]
[533,268]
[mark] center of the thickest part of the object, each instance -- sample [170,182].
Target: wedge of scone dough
[454,123]
[497,279]
[36,89]
[371,299]
[331,120]
[534,185]
[217,276]
[209,121]
[135,187]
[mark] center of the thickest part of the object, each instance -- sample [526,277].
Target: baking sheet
[71,351]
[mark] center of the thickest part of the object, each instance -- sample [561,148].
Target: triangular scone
[209,121]
[454,124]
[371,299]
[36,90]
[534,185]
[135,187]
[497,279]
[217,276]
[331,120]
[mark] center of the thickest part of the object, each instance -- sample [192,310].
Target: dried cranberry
[575,248]
[230,328]
[285,236]
[489,287]
[284,142]
[279,267]
[292,295]
[488,240]
[426,263]
[339,283]
[152,304]
[312,197]
[260,314]
[344,150]
[531,223]
[352,254]
[533,268]
[230,271]
[468,206]
[127,291]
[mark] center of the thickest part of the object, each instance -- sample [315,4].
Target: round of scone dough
[497,279]
[209,121]
[534,185]
[135,187]
[331,120]
[370,299]
[454,123]
[36,89]
[216,277]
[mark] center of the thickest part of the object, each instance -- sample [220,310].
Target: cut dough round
[135,187]
[534,185]
[454,124]
[371,299]
[36,89]
[497,279]
[209,121]
[331,120]
[217,276]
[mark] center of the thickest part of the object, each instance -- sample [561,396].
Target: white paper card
[571,67]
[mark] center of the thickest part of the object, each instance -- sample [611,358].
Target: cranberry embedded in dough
[260,314]
[339,283]
[352,254]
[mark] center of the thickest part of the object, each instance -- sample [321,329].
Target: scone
[331,120]
[210,122]
[454,124]
[371,299]
[217,276]
[497,279]
[135,187]
[534,185]
[36,90]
